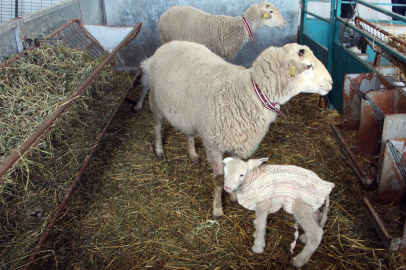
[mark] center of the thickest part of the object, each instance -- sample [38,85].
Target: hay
[134,212]
[31,88]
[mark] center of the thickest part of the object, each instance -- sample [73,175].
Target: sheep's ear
[227,160]
[266,14]
[253,163]
[295,67]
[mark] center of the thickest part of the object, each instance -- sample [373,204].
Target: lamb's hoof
[299,262]
[257,250]
[303,239]
[234,203]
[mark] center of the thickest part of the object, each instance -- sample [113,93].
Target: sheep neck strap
[249,30]
[265,100]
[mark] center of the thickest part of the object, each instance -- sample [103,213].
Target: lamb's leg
[233,199]
[144,92]
[190,142]
[317,217]
[261,213]
[158,119]
[215,159]
[304,216]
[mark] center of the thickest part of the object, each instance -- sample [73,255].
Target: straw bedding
[131,211]
[134,212]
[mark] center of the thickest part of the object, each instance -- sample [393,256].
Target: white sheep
[268,188]
[224,35]
[202,95]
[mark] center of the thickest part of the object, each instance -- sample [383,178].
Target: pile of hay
[134,212]
[31,89]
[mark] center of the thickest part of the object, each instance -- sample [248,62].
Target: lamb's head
[235,171]
[315,77]
[267,14]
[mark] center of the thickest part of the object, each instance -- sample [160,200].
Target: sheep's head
[315,77]
[235,171]
[264,14]
[270,16]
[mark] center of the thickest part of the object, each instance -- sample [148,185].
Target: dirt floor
[131,211]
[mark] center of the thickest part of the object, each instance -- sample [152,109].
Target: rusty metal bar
[79,174]
[19,153]
[377,223]
[351,158]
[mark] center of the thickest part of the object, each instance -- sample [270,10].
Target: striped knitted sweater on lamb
[281,185]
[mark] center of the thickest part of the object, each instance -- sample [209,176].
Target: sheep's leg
[303,214]
[144,92]
[190,141]
[215,159]
[158,119]
[163,38]
[261,213]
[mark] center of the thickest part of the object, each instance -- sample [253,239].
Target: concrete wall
[129,12]
[45,21]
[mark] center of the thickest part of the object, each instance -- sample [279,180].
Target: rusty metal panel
[354,86]
[391,182]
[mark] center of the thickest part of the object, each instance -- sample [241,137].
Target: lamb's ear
[252,163]
[295,67]
[227,160]
[265,14]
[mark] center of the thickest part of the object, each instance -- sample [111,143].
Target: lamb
[268,188]
[224,35]
[202,95]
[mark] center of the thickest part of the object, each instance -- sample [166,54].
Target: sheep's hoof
[160,156]
[195,159]
[137,107]
[218,212]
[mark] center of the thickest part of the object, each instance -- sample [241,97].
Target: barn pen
[81,187]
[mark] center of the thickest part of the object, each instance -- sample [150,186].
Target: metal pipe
[318,17]
[19,153]
[79,174]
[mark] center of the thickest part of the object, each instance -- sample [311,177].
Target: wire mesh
[399,159]
[10,9]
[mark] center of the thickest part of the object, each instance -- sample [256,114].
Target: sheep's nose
[228,189]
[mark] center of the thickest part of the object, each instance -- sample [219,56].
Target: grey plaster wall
[87,11]
[130,12]
[45,21]
[8,44]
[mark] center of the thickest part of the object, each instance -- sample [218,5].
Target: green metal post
[332,35]
[16,9]
[303,18]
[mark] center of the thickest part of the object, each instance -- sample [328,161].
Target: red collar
[265,100]
[249,30]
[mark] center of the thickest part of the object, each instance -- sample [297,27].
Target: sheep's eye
[271,11]
[301,52]
[309,66]
[241,175]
